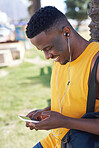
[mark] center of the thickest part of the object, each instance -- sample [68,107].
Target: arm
[47,108]
[87,125]
[57,120]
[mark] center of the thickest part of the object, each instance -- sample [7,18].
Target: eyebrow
[43,48]
[46,47]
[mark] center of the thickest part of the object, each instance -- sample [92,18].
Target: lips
[56,59]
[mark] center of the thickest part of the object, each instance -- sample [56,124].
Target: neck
[78,46]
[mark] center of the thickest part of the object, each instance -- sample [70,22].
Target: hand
[36,115]
[50,120]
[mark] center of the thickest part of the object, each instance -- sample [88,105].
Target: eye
[48,48]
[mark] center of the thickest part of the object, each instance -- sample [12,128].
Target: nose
[47,55]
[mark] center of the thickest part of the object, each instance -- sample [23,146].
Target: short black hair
[42,20]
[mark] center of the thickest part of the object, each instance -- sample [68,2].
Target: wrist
[65,122]
[47,108]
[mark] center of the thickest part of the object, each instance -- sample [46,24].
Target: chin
[63,63]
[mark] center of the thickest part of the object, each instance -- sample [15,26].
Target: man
[74,58]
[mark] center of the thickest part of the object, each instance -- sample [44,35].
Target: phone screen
[27,119]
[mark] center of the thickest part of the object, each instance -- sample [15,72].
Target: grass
[21,91]
[32,53]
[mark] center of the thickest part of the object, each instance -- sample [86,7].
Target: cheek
[61,45]
[60,48]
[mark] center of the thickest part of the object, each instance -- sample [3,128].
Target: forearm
[47,108]
[87,125]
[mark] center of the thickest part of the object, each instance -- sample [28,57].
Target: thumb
[45,114]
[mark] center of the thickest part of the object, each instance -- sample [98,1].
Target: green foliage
[77,9]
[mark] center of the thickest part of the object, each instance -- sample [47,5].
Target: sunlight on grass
[21,91]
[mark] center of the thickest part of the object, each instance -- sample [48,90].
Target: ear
[67,30]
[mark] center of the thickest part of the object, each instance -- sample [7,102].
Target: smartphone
[27,119]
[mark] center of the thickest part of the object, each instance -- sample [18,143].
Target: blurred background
[24,72]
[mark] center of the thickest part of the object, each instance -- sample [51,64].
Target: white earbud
[66,34]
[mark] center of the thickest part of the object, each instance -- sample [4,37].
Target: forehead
[44,39]
[38,38]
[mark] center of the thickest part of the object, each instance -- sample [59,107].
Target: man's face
[54,46]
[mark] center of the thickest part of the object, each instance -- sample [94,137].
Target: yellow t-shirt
[75,101]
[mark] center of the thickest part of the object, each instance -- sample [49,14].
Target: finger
[36,129]
[27,124]
[42,125]
[42,128]
[31,127]
[31,113]
[31,124]
[36,116]
[45,114]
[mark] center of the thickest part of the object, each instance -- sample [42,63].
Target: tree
[94,25]
[35,5]
[77,9]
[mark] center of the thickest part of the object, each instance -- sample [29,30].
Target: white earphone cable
[61,101]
